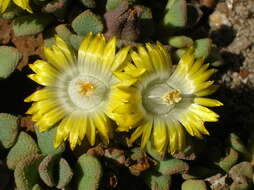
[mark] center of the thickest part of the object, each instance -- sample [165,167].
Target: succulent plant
[242,175]
[112,4]
[26,172]
[55,171]
[87,22]
[88,172]
[24,147]
[75,41]
[230,160]
[175,14]
[180,41]
[46,142]
[8,129]
[65,174]
[202,47]
[194,184]
[58,7]
[156,181]
[31,24]
[9,58]
[38,165]
[63,31]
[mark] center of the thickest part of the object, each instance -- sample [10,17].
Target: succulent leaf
[87,22]
[65,174]
[31,24]
[112,4]
[176,14]
[202,47]
[46,170]
[8,129]
[88,172]
[194,184]
[9,58]
[26,173]
[46,142]
[156,181]
[24,147]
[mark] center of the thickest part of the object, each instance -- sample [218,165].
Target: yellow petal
[124,108]
[136,134]
[94,52]
[204,113]
[185,62]
[165,55]
[147,129]
[66,49]
[138,61]
[202,86]
[44,106]
[59,55]
[120,58]
[155,57]
[3,5]
[82,129]
[33,109]
[173,137]
[24,4]
[145,59]
[207,102]
[109,52]
[43,68]
[204,76]
[42,94]
[41,79]
[91,132]
[126,122]
[159,136]
[196,66]
[102,125]
[197,123]
[75,126]
[200,71]
[63,130]
[208,91]
[126,80]
[133,71]
[189,125]
[50,118]
[82,52]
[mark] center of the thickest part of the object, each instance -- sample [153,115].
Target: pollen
[86,88]
[172,97]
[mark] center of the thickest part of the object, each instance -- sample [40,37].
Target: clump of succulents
[94,85]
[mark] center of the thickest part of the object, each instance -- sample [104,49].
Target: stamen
[172,97]
[86,88]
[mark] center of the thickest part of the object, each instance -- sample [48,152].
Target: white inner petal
[91,100]
[153,89]
[152,98]
[76,97]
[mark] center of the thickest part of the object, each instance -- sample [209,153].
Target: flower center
[160,98]
[87,92]
[86,88]
[172,97]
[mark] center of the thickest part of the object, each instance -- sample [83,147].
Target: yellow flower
[161,102]
[24,4]
[78,89]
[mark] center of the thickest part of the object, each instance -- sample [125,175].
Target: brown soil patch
[29,46]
